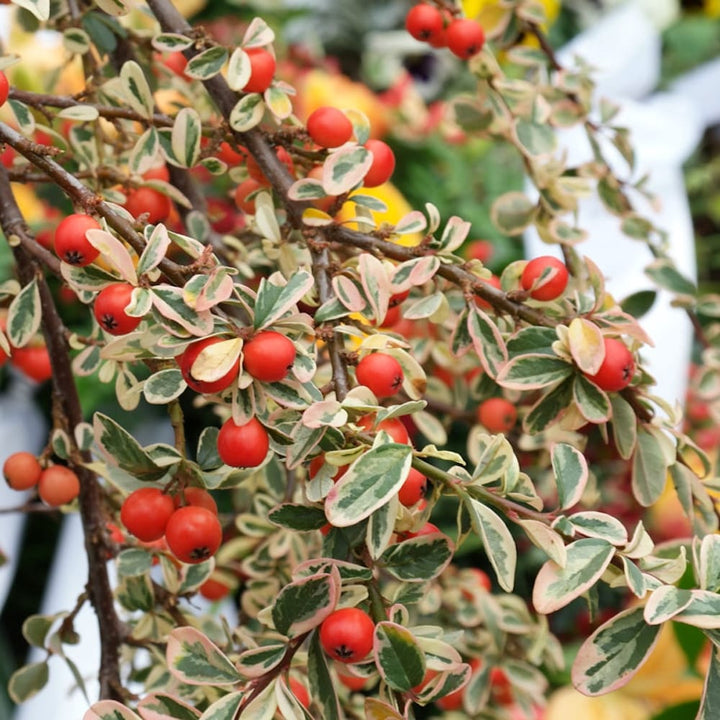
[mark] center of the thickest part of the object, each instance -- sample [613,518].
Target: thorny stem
[68,402]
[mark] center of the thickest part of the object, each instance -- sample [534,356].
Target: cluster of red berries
[188,521]
[462,36]
[56,484]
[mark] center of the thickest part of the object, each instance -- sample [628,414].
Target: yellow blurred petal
[712,8]
[189,7]
[397,206]
[569,703]
[30,206]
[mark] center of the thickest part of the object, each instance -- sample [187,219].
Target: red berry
[329,127]
[199,497]
[413,489]
[381,373]
[268,356]
[424,22]
[243,191]
[262,71]
[33,361]
[427,529]
[146,200]
[394,427]
[187,360]
[71,245]
[213,589]
[494,281]
[145,513]
[193,534]
[257,174]
[617,369]
[318,461]
[58,485]
[346,635]
[481,250]
[175,62]
[465,37]
[4,88]
[229,155]
[243,445]
[497,414]
[109,309]
[552,286]
[22,470]
[500,687]
[383,163]
[159,172]
[300,692]
[352,682]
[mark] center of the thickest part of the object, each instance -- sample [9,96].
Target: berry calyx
[187,360]
[329,127]
[22,470]
[262,64]
[193,534]
[71,245]
[381,373]
[549,287]
[617,369]
[4,88]
[58,485]
[497,415]
[383,163]
[109,309]
[268,356]
[465,38]
[145,513]
[243,445]
[424,22]
[346,635]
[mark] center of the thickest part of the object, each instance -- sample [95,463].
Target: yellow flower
[712,8]
[488,11]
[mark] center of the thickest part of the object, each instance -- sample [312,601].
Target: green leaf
[161,706]
[258,661]
[682,711]
[571,473]
[322,686]
[164,386]
[137,92]
[666,602]
[600,525]
[663,272]
[592,402]
[648,469]
[194,659]
[113,7]
[639,303]
[535,138]
[247,113]
[110,710]
[533,371]
[24,315]
[25,119]
[609,658]
[557,586]
[497,541]
[710,701]
[380,528]
[304,604]
[345,168]
[171,42]
[226,708]
[155,250]
[169,303]
[207,454]
[121,449]
[36,627]
[39,8]
[207,64]
[302,518]
[133,561]
[273,301]
[512,213]
[549,409]
[487,341]
[28,681]
[135,592]
[368,484]
[399,659]
[624,425]
[186,136]
[419,558]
